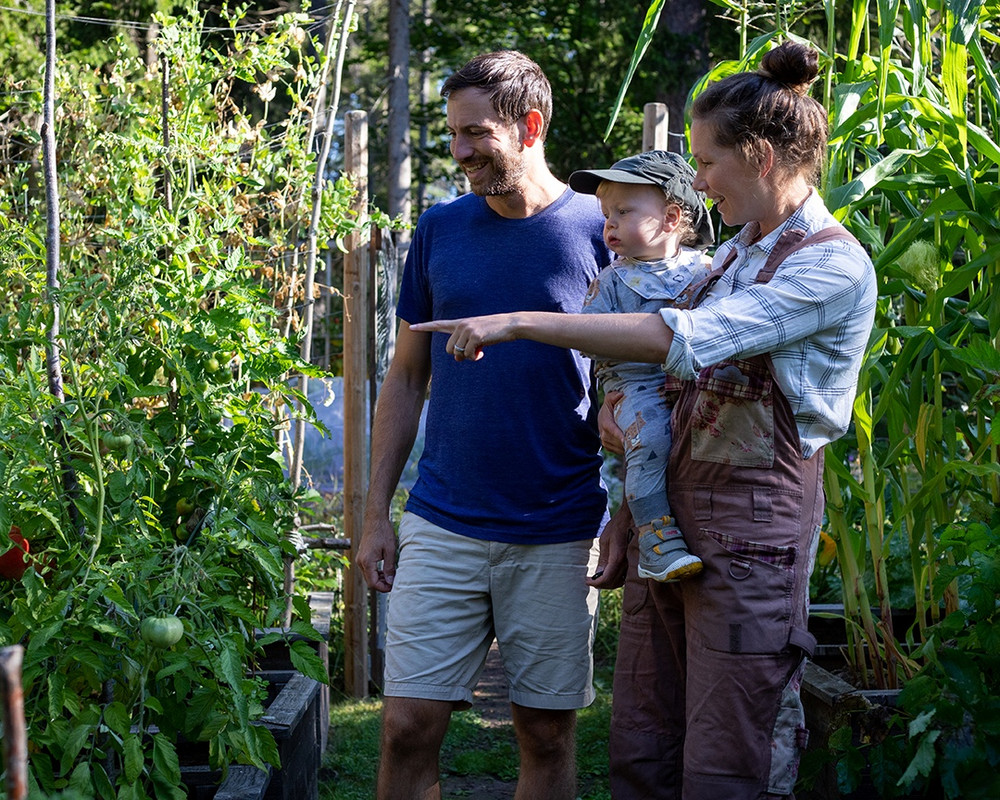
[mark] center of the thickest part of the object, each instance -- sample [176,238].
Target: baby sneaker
[663,555]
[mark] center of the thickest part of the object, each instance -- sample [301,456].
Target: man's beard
[506,169]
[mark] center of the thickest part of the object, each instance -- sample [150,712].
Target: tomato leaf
[132,757]
[306,661]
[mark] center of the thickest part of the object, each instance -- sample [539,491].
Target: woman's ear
[532,125]
[765,157]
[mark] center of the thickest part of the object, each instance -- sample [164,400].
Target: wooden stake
[15,736]
[356,289]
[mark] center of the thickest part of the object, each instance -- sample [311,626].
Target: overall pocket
[744,596]
[636,591]
[732,421]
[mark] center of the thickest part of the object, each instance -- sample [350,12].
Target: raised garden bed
[298,716]
[832,703]
[242,783]
[295,719]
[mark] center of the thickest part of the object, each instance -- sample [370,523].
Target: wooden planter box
[830,632]
[276,656]
[295,718]
[831,703]
[298,717]
[242,783]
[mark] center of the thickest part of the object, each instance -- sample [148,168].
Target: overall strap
[795,239]
[697,291]
[789,242]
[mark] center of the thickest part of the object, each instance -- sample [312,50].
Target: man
[498,534]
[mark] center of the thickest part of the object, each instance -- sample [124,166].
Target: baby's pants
[645,420]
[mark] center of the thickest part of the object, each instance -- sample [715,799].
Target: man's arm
[397,417]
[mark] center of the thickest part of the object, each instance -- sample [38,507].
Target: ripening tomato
[184,506]
[13,563]
[162,632]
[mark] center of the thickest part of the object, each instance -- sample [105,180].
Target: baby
[658,226]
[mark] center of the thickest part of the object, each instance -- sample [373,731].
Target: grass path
[479,755]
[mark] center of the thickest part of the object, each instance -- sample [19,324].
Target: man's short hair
[514,82]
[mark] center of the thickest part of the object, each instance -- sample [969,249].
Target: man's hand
[376,556]
[612,563]
[612,437]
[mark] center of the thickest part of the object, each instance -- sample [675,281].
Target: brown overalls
[706,686]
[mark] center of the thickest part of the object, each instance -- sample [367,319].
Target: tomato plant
[156,485]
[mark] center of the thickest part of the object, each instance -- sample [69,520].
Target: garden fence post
[655,135]
[15,737]
[356,312]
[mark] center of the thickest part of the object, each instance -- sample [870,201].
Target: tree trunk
[424,98]
[685,20]
[399,111]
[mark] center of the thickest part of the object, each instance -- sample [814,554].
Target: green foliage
[942,738]
[914,177]
[582,45]
[155,484]
[645,37]
[87,34]
[953,733]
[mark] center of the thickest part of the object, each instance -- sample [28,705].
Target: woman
[706,689]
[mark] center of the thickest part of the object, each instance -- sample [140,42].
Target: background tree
[584,47]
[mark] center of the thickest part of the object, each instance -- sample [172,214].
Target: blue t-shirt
[511,452]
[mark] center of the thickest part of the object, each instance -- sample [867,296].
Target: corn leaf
[645,36]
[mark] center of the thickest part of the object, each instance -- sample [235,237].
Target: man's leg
[545,616]
[547,742]
[412,732]
[438,634]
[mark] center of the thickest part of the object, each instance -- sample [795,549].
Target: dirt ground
[493,706]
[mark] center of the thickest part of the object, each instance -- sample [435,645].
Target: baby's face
[636,221]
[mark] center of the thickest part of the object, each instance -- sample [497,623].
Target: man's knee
[412,725]
[545,733]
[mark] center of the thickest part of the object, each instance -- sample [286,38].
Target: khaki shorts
[453,595]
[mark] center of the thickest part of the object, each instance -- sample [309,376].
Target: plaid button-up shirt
[814,317]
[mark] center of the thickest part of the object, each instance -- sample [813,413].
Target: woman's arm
[616,337]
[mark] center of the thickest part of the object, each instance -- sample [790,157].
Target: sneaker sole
[674,573]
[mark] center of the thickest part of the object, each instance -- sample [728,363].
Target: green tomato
[212,365]
[117,441]
[183,506]
[161,631]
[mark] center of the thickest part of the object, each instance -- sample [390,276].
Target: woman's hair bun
[792,64]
